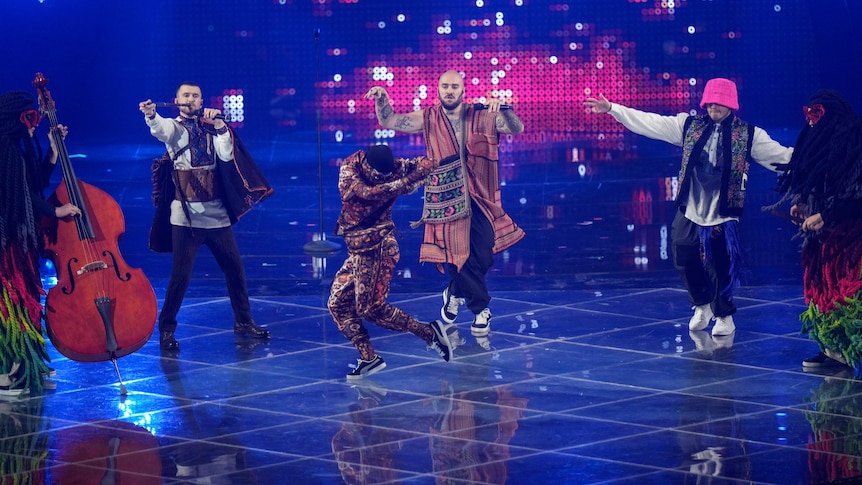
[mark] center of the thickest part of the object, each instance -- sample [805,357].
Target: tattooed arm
[386,116]
[509,123]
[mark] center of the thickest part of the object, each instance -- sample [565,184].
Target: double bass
[101,309]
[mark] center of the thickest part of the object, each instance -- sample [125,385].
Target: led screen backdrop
[271,63]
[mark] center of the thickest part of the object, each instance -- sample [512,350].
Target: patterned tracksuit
[361,286]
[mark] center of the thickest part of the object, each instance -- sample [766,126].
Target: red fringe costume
[24,174]
[835,444]
[824,177]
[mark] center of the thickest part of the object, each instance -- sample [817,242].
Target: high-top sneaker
[449,311]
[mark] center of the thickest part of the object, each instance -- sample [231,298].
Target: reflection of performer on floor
[470,437]
[713,442]
[835,446]
[365,452]
[198,459]
[469,430]
[25,446]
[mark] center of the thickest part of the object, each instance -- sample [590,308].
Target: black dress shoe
[168,343]
[250,329]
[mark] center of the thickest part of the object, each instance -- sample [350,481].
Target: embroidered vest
[446,196]
[736,149]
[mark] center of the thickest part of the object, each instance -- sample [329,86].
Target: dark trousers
[704,281]
[222,245]
[469,283]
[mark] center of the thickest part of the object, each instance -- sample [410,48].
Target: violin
[101,309]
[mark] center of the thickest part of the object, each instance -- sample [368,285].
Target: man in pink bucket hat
[716,152]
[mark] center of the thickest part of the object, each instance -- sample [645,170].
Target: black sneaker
[366,367]
[14,390]
[821,360]
[440,342]
[8,386]
[449,311]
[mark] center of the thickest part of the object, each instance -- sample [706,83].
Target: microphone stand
[321,246]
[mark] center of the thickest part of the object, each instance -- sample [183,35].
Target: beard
[451,105]
[188,111]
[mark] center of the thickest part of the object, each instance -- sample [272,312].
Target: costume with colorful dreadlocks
[23,175]
[824,177]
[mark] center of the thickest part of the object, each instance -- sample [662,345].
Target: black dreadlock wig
[19,156]
[827,159]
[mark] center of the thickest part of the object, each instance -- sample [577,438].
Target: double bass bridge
[92,267]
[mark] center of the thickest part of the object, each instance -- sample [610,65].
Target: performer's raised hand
[494,105]
[376,93]
[148,108]
[209,115]
[598,105]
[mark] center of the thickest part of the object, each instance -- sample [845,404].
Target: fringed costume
[361,286]
[25,175]
[825,177]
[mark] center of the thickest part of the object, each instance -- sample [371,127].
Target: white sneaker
[481,323]
[723,326]
[700,319]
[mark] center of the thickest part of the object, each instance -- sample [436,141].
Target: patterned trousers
[359,291]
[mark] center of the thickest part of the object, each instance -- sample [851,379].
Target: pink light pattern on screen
[546,84]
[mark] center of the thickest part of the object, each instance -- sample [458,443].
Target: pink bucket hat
[720,91]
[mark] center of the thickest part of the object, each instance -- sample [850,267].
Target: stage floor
[589,376]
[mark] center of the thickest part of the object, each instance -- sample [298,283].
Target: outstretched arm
[767,152]
[407,123]
[166,131]
[652,125]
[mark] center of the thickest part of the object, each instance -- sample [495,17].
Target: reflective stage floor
[590,374]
